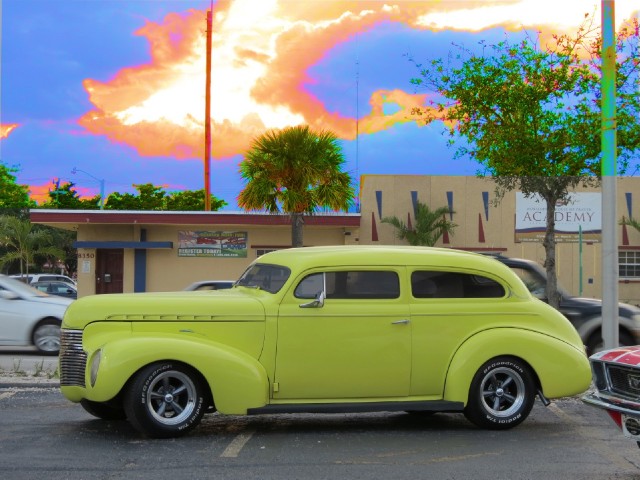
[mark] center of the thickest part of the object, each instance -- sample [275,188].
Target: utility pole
[609,186]
[207,117]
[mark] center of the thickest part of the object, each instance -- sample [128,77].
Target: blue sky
[114,87]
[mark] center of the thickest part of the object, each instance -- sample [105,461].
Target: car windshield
[20,288]
[264,276]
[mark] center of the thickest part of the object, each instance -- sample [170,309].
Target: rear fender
[561,369]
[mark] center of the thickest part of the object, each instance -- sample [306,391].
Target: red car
[616,378]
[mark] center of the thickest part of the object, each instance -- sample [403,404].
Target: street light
[101,182]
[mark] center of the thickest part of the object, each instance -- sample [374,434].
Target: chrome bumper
[612,403]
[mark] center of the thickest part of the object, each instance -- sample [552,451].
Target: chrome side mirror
[317,303]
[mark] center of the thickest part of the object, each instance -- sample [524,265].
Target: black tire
[595,343]
[46,336]
[165,399]
[103,411]
[501,395]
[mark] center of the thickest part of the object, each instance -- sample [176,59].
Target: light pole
[101,182]
[609,187]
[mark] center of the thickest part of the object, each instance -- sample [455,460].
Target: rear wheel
[165,399]
[46,336]
[596,344]
[501,395]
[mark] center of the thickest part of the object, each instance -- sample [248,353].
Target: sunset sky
[115,88]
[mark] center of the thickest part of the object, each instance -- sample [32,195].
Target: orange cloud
[262,52]
[6,129]
[40,193]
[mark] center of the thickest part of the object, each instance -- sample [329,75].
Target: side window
[310,286]
[350,284]
[434,284]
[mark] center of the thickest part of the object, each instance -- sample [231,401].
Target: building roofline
[53,216]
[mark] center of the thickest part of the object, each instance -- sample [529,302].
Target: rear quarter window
[437,284]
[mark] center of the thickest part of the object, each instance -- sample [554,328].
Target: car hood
[50,300]
[204,306]
[594,305]
[623,355]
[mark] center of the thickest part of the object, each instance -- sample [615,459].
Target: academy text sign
[582,210]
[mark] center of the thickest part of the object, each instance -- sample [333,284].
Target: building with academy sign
[163,251]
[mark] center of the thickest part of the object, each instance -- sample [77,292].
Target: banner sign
[212,244]
[582,210]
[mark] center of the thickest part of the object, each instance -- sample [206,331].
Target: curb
[28,382]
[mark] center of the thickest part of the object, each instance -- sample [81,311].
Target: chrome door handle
[400,322]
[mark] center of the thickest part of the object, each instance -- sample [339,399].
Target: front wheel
[501,395]
[165,399]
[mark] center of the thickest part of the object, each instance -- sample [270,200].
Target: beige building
[485,227]
[163,251]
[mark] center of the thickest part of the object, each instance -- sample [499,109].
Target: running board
[429,406]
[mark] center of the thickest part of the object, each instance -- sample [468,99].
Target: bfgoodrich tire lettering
[501,395]
[165,399]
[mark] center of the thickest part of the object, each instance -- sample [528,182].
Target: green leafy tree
[153,197]
[297,171]
[530,116]
[24,244]
[191,200]
[149,197]
[64,240]
[13,196]
[66,197]
[430,225]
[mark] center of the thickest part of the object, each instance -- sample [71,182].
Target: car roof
[307,257]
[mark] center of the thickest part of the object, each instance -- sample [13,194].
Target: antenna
[357,123]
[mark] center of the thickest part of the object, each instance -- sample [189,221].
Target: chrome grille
[73,359]
[624,380]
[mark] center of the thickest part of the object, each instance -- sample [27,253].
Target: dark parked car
[60,289]
[584,313]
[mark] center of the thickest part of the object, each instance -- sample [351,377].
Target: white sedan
[30,317]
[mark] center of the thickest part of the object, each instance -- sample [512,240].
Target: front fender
[236,380]
[562,369]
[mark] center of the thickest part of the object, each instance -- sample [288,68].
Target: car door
[344,334]
[14,326]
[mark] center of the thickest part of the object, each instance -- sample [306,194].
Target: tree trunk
[549,243]
[297,222]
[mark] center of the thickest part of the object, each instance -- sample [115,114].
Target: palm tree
[430,226]
[631,222]
[297,171]
[23,243]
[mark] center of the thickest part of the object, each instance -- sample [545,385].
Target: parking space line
[6,395]
[603,449]
[234,448]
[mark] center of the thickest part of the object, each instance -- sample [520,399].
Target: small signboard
[212,244]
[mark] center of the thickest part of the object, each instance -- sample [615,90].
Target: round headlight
[95,365]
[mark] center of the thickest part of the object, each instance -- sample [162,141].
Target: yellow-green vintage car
[325,329]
